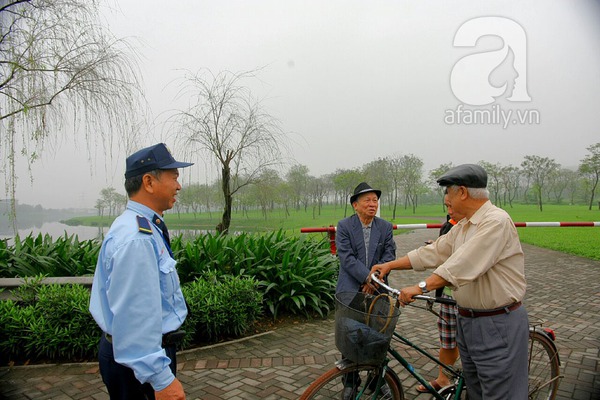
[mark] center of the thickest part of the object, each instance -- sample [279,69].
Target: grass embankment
[583,242]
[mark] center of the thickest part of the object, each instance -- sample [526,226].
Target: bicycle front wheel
[544,367]
[330,384]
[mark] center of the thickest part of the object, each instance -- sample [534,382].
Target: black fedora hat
[363,187]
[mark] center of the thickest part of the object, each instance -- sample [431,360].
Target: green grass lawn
[584,242]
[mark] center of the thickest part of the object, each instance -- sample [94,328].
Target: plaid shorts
[447,325]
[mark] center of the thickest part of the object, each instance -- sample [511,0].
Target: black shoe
[349,393]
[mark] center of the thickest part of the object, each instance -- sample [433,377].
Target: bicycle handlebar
[396,292]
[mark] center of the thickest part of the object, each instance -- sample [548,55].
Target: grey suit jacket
[354,265]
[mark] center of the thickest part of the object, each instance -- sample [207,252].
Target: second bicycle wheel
[544,367]
[330,384]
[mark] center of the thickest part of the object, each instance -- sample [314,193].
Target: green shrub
[297,274]
[250,274]
[48,321]
[302,280]
[34,255]
[220,307]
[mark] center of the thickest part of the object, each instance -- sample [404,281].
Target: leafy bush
[297,274]
[248,274]
[220,306]
[302,281]
[48,321]
[34,255]
[53,322]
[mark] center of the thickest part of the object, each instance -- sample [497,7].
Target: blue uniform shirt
[136,296]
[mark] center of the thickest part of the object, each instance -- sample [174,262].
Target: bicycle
[544,363]
[377,380]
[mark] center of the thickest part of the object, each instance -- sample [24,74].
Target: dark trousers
[120,380]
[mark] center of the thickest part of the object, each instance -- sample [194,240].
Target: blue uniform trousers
[120,380]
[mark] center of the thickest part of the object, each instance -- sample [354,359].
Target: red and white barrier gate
[331,229]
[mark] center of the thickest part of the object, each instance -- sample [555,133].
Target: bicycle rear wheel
[544,367]
[330,386]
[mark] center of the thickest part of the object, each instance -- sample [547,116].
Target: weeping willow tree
[227,124]
[61,71]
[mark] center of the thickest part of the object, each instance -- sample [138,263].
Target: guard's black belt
[470,313]
[172,338]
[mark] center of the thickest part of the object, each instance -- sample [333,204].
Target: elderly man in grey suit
[362,240]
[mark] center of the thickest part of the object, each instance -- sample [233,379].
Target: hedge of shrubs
[228,281]
[52,322]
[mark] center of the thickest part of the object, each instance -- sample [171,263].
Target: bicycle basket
[364,325]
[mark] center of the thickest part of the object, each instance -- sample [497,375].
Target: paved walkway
[563,290]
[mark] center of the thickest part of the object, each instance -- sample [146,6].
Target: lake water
[58,229]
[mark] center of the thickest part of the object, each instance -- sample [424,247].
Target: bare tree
[58,64]
[190,198]
[494,173]
[318,190]
[394,166]
[559,183]
[434,174]
[111,200]
[378,174]
[411,175]
[225,121]
[298,179]
[265,190]
[344,182]
[538,170]
[590,169]
[510,177]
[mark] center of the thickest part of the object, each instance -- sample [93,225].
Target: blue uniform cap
[151,158]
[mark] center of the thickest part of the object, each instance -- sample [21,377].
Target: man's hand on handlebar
[380,270]
[407,293]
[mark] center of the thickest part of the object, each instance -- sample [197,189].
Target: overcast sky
[351,81]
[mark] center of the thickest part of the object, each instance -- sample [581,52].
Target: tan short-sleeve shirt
[482,259]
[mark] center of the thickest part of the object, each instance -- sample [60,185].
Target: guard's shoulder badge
[144,225]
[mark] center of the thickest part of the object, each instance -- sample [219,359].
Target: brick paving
[563,290]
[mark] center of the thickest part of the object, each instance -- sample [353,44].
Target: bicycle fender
[543,332]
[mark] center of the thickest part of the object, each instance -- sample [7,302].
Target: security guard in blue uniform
[136,297]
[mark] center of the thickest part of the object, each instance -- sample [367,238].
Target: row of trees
[110,202]
[403,182]
[59,65]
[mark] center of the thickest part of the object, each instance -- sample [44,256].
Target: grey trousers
[493,351]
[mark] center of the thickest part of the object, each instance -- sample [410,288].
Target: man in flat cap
[136,298]
[482,260]
[362,241]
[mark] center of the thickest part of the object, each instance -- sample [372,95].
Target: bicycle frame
[543,336]
[456,375]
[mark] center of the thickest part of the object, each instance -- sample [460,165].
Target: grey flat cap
[469,175]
